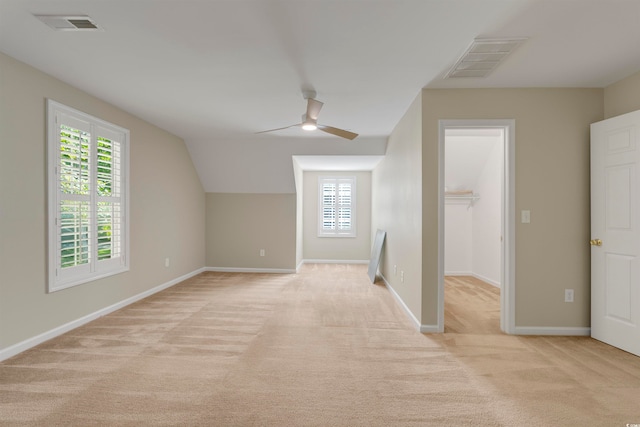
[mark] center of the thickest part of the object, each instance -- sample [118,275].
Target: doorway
[484,153]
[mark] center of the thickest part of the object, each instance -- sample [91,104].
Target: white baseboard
[45,336]
[425,329]
[551,330]
[251,270]
[286,270]
[486,280]
[335,261]
[458,273]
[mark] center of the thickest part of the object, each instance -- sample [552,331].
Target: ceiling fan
[310,120]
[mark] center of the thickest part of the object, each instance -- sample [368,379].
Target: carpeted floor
[320,348]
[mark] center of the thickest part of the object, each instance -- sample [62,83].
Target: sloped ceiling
[466,155]
[215,72]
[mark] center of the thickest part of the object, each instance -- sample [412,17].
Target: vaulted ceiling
[215,72]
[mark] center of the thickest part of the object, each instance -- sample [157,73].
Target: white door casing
[615,232]
[508,273]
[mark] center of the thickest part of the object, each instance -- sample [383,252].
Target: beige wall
[240,224]
[397,208]
[622,97]
[339,248]
[167,208]
[552,181]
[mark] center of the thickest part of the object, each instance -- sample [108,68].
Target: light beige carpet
[321,348]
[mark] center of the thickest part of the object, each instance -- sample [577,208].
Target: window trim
[337,233]
[95,269]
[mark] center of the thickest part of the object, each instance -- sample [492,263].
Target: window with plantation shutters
[336,207]
[87,197]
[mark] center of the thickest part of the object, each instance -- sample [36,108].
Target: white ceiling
[215,72]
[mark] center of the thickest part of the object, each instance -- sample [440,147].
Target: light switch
[526,217]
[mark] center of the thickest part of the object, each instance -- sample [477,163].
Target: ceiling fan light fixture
[308,123]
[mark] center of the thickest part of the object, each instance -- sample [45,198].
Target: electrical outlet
[262,252]
[395,270]
[568,295]
[526,217]
[166,262]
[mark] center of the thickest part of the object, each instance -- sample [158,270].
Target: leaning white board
[376,252]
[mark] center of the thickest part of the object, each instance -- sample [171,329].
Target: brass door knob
[595,242]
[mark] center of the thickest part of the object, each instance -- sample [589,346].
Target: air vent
[69,23]
[482,57]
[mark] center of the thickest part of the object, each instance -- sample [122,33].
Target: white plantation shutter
[109,195]
[74,195]
[88,197]
[328,215]
[336,214]
[344,206]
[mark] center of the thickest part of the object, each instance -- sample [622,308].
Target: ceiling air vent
[482,57]
[69,23]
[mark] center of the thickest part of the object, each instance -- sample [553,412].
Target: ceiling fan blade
[273,130]
[338,132]
[313,108]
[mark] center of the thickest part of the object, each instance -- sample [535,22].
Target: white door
[615,232]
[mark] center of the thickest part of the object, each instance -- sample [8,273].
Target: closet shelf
[472,198]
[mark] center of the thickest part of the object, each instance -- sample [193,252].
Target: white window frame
[322,232]
[62,278]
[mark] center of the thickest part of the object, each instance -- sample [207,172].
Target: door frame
[508,256]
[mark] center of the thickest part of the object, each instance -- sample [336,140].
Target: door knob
[595,242]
